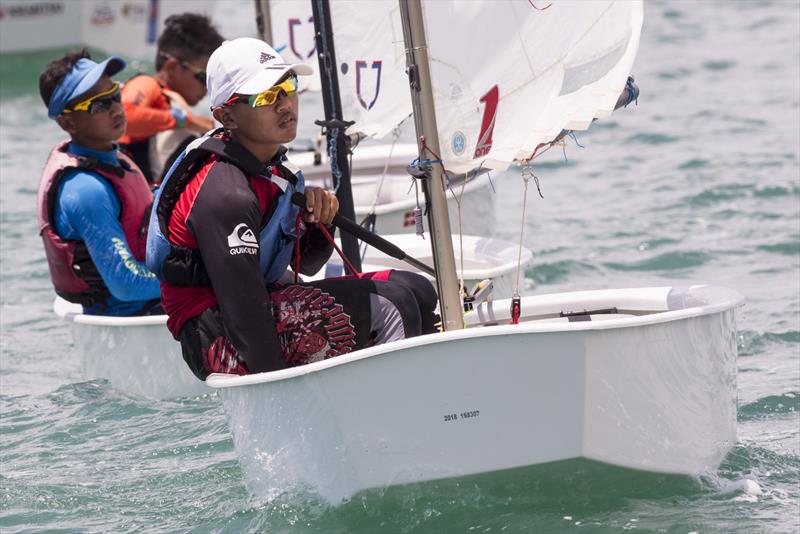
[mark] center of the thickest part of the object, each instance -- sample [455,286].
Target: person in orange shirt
[158,107]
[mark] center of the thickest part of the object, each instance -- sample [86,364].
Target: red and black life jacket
[74,275]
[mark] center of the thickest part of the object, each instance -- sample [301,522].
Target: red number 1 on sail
[487,124]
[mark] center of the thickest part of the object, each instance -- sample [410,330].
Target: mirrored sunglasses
[270,96]
[98,103]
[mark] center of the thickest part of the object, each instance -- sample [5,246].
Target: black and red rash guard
[220,213]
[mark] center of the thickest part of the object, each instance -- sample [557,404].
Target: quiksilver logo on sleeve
[242,240]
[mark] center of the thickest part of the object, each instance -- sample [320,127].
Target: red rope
[426,147]
[533,156]
[325,231]
[341,254]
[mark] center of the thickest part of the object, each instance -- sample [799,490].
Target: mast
[263,22]
[334,125]
[425,123]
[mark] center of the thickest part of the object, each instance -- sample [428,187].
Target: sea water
[698,183]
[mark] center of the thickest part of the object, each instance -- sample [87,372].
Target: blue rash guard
[87,209]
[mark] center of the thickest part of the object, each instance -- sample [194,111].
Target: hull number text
[463,415]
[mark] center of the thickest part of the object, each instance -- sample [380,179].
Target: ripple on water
[694,164]
[763,23]
[788,248]
[651,139]
[548,273]
[675,74]
[772,191]
[651,244]
[108,454]
[751,342]
[669,261]
[767,464]
[770,405]
[718,65]
[719,193]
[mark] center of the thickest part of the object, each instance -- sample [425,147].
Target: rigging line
[527,172]
[536,152]
[396,136]
[457,199]
[332,241]
[539,8]
[575,138]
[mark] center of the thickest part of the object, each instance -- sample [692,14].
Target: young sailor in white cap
[224,231]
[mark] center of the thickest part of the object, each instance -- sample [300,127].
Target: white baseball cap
[246,66]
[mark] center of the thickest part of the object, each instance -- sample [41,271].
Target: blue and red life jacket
[177,265]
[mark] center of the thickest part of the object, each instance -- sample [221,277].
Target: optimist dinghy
[637,378]
[641,378]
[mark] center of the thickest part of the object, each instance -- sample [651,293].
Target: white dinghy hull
[137,355]
[651,388]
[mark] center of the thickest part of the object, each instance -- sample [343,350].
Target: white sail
[292,24]
[524,71]
[371,59]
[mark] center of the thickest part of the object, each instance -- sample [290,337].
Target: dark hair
[187,36]
[56,70]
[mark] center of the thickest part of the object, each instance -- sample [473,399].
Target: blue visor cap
[83,76]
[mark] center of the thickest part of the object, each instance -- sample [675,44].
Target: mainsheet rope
[331,240]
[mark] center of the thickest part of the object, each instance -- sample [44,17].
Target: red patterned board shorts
[318,320]
[313,322]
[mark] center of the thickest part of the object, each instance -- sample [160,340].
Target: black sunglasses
[199,74]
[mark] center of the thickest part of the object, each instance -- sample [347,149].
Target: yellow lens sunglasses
[98,103]
[270,96]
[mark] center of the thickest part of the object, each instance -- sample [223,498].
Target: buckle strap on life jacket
[90,163]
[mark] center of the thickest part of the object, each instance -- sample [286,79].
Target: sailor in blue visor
[93,200]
